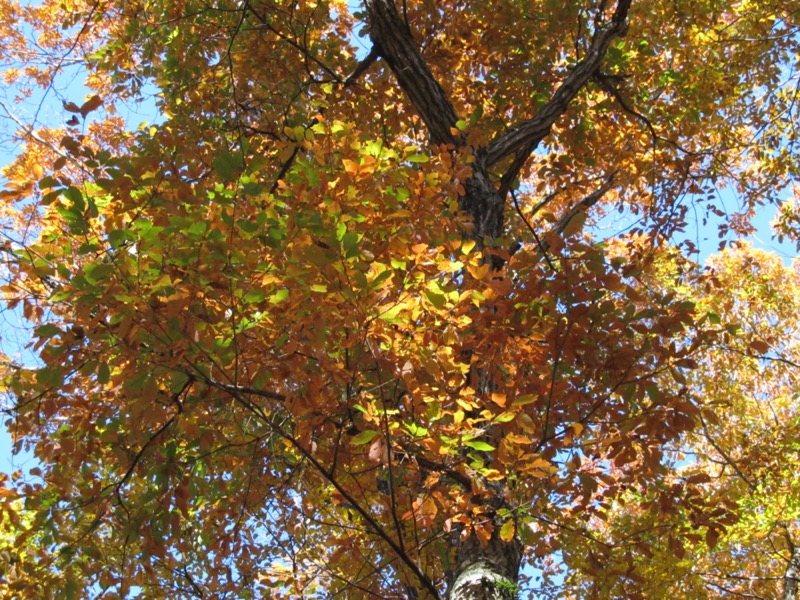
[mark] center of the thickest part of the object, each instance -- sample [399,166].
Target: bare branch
[585,204]
[239,394]
[27,132]
[726,458]
[530,227]
[362,66]
[237,389]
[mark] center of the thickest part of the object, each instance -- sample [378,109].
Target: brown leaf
[70,107]
[378,452]
[712,537]
[91,104]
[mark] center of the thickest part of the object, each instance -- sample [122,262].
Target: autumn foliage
[401,300]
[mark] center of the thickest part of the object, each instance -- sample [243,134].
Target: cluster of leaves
[738,534]
[275,362]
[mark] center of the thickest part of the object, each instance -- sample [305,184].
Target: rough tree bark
[791,577]
[483,572]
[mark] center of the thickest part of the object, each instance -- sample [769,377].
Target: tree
[740,461]
[349,325]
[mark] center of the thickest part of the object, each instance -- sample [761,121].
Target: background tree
[739,463]
[335,325]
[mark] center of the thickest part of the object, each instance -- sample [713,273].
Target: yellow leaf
[507,531]
[514,438]
[523,400]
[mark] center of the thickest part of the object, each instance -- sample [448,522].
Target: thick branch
[362,66]
[392,38]
[582,206]
[523,139]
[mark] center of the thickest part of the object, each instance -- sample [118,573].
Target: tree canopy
[401,299]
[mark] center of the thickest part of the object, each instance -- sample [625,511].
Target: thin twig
[542,249]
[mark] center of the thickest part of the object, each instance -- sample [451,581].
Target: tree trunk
[486,573]
[394,43]
[490,571]
[791,577]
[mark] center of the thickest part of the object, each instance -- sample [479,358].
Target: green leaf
[279,296]
[96,272]
[526,534]
[226,165]
[575,224]
[350,244]
[653,393]
[479,445]
[248,227]
[75,196]
[47,330]
[119,237]
[47,182]
[436,298]
[197,229]
[376,283]
[415,430]
[178,381]
[364,437]
[504,417]
[103,373]
[255,296]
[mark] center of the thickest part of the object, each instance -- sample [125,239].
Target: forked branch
[483,200]
[393,40]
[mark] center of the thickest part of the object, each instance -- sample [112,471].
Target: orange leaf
[350,166]
[484,533]
[499,399]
